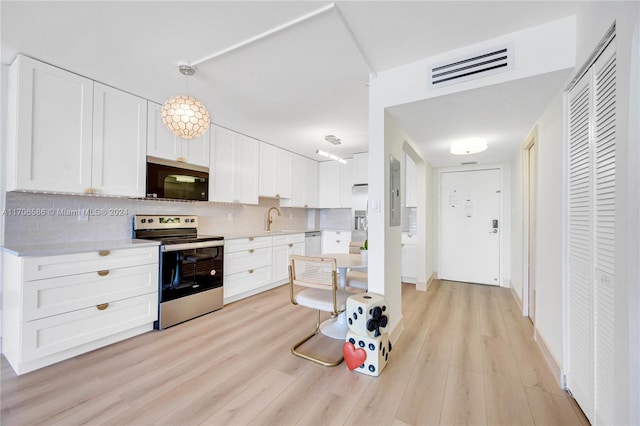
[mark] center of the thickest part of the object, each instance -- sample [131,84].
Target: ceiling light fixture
[332,139]
[184,115]
[331,156]
[469,146]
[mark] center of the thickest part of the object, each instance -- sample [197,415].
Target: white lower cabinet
[283,247]
[52,313]
[336,241]
[247,267]
[409,258]
[256,264]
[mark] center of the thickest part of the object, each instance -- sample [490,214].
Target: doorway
[469,243]
[530,182]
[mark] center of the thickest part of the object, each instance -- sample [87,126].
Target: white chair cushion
[320,299]
[357,279]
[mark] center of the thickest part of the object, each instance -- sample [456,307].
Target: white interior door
[470,226]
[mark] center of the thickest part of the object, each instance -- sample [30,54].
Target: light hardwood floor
[466,356]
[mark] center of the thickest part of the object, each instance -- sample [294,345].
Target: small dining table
[337,328]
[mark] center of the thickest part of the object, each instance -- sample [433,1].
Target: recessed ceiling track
[291,23]
[477,65]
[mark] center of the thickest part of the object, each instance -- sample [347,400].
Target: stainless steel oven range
[190,278]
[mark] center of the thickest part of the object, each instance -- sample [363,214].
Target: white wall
[517,262]
[425,216]
[549,237]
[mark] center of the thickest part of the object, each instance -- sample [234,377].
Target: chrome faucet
[269,220]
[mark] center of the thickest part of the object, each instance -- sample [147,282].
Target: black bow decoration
[377,320]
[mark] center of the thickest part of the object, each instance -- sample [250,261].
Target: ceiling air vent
[477,65]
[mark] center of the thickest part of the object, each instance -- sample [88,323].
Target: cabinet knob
[290,245]
[251,250]
[89,191]
[251,238]
[104,252]
[102,307]
[251,271]
[103,273]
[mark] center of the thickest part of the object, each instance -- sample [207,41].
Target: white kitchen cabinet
[247,267]
[335,182]
[234,167]
[119,142]
[311,183]
[361,168]
[283,247]
[304,183]
[161,143]
[57,307]
[410,193]
[67,133]
[335,241]
[49,128]
[275,172]
[409,258]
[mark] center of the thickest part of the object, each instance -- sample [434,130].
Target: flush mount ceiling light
[469,146]
[184,115]
[331,156]
[332,139]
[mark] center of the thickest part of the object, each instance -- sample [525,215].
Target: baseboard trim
[551,361]
[517,299]
[396,331]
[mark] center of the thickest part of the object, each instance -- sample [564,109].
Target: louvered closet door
[591,239]
[580,269]
[605,186]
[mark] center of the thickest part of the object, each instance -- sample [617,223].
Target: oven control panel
[164,222]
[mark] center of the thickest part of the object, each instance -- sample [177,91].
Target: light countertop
[76,247]
[255,234]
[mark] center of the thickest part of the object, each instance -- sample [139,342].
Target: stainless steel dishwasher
[312,243]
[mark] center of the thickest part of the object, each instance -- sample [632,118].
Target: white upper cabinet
[119,142]
[234,167]
[275,172]
[311,183]
[304,176]
[49,128]
[161,143]
[410,193]
[361,168]
[335,184]
[67,133]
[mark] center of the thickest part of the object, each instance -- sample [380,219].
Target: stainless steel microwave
[177,181]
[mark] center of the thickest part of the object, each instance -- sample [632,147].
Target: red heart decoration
[354,357]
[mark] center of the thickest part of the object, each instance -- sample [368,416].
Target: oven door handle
[191,246]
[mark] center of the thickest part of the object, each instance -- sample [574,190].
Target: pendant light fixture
[184,115]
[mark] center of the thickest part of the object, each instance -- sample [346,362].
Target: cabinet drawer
[246,281]
[288,239]
[244,244]
[54,296]
[50,335]
[37,268]
[246,260]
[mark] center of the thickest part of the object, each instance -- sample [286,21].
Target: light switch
[374,206]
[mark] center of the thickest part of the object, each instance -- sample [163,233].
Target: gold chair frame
[293,281]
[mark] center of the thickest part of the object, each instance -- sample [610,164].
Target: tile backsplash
[35,218]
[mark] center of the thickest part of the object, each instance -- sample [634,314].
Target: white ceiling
[292,88]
